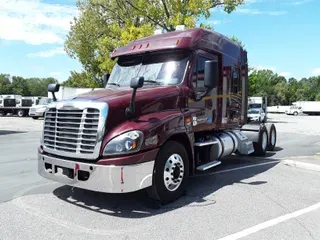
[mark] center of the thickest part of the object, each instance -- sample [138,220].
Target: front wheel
[170,173]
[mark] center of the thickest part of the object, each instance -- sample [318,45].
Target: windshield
[253,111]
[159,69]
[255,105]
[44,101]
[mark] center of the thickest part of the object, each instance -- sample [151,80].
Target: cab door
[204,111]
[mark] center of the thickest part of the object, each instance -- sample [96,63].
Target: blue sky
[282,35]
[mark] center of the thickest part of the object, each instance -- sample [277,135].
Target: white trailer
[309,107]
[278,109]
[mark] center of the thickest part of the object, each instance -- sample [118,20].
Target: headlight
[126,143]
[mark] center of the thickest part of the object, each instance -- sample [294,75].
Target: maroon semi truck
[174,105]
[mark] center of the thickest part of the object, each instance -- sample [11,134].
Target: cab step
[208,165]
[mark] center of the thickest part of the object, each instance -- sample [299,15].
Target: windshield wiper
[115,84]
[152,81]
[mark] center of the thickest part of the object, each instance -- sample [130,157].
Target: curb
[303,165]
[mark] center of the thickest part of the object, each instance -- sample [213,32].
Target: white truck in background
[308,107]
[259,103]
[16,104]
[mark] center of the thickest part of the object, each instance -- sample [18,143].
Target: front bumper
[36,114]
[101,178]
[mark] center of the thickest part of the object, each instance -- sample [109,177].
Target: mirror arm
[54,97]
[130,111]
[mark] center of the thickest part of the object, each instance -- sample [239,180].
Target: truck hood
[122,95]
[148,99]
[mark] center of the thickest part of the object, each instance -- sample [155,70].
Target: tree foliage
[82,80]
[104,25]
[281,91]
[25,86]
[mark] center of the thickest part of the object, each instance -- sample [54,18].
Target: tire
[35,117]
[260,147]
[20,113]
[272,137]
[295,113]
[176,153]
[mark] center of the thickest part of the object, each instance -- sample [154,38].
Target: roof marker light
[177,42]
[133,47]
[140,46]
[147,45]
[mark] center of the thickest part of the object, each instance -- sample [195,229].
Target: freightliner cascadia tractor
[174,105]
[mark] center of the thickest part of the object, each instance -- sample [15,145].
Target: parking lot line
[271,222]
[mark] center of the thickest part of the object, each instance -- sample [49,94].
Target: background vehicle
[38,110]
[309,107]
[258,103]
[294,110]
[256,114]
[278,109]
[186,110]
[15,105]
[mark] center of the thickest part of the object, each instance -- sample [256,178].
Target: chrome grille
[75,128]
[73,131]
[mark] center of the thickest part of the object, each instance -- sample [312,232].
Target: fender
[157,127]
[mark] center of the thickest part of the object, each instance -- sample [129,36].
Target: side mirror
[137,82]
[211,74]
[105,79]
[53,87]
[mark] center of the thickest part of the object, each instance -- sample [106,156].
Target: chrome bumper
[37,114]
[101,178]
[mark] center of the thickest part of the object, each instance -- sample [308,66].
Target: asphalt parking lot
[244,198]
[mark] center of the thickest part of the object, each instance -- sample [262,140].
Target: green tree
[82,80]
[104,25]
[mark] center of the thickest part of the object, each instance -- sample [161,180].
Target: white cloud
[285,74]
[258,12]
[48,53]
[316,71]
[34,21]
[55,74]
[301,2]
[248,11]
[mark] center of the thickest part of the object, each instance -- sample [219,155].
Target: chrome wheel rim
[264,140]
[173,172]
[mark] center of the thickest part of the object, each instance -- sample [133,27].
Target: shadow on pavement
[200,192]
[7,132]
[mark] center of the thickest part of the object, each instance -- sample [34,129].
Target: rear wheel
[272,137]
[260,147]
[20,113]
[170,173]
[295,113]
